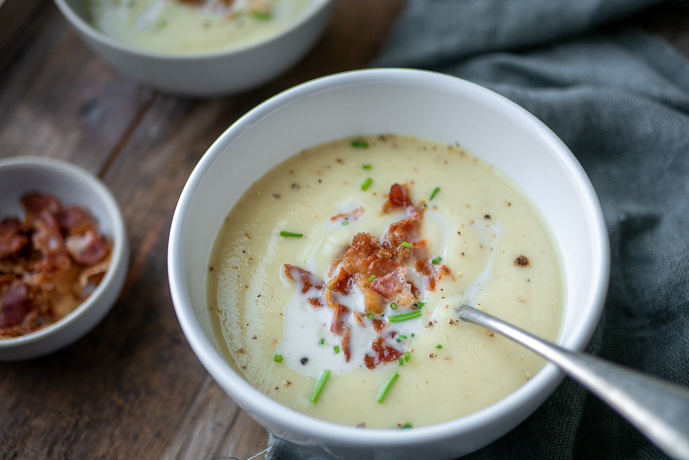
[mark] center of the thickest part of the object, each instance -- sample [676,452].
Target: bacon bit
[87,248]
[11,241]
[352,216]
[307,278]
[379,325]
[358,319]
[521,261]
[398,198]
[49,263]
[382,354]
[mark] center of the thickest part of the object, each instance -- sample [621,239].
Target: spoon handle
[658,409]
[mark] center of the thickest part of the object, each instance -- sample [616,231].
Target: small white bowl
[424,104]
[72,186]
[206,74]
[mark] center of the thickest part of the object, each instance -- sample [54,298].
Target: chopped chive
[277,358]
[404,316]
[336,349]
[386,388]
[319,386]
[372,278]
[321,342]
[360,144]
[407,245]
[425,205]
[420,305]
[437,260]
[439,347]
[402,336]
[291,234]
[367,166]
[435,192]
[367,183]
[370,316]
[407,356]
[407,425]
[413,335]
[401,361]
[393,305]
[398,340]
[346,222]
[262,15]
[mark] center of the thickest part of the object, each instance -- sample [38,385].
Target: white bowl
[72,186]
[418,103]
[205,74]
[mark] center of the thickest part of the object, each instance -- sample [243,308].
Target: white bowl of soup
[199,48]
[322,245]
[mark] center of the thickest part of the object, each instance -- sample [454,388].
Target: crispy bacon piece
[11,241]
[397,198]
[15,305]
[307,280]
[382,353]
[87,248]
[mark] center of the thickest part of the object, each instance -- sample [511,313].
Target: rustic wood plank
[16,17]
[57,100]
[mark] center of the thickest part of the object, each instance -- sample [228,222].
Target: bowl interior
[423,104]
[77,11]
[72,186]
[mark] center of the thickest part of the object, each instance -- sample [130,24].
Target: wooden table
[132,388]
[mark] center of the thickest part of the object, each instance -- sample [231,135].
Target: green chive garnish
[291,234]
[386,388]
[367,166]
[437,260]
[360,144]
[402,336]
[319,386]
[372,278]
[404,316]
[439,347]
[262,15]
[420,305]
[367,183]
[346,222]
[321,342]
[407,425]
[407,245]
[370,316]
[398,340]
[336,349]
[393,305]
[401,361]
[412,335]
[435,192]
[277,358]
[407,356]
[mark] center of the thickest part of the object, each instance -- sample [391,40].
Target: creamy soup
[193,26]
[335,280]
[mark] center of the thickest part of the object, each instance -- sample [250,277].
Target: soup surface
[349,261]
[192,26]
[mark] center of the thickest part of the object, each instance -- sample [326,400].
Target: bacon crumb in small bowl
[521,261]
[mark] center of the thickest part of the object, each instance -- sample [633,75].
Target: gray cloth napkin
[619,98]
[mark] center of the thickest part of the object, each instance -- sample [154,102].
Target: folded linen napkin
[619,98]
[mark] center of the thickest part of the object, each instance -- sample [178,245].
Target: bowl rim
[312,10]
[315,429]
[119,237]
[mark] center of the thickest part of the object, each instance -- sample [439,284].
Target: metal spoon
[658,409]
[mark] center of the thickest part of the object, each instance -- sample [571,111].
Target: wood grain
[132,388]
